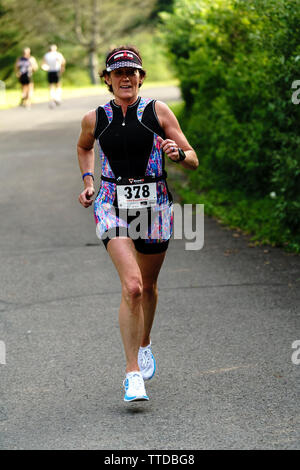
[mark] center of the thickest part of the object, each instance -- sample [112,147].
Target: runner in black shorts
[133,208]
[54,64]
[24,67]
[53,77]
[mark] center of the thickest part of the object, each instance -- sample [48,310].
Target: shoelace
[137,381]
[145,358]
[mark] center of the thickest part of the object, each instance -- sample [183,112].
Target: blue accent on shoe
[153,370]
[126,384]
[142,398]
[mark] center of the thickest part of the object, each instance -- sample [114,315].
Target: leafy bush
[236,61]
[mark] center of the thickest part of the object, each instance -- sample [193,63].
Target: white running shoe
[134,387]
[146,362]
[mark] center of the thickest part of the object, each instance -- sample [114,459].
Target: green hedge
[237,61]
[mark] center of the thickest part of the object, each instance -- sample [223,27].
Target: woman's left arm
[175,138]
[34,64]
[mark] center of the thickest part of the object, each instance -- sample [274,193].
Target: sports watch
[182,155]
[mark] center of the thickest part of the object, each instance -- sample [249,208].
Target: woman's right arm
[86,158]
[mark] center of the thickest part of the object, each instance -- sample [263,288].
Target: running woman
[54,63]
[133,134]
[24,67]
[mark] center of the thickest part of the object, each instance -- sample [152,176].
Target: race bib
[136,196]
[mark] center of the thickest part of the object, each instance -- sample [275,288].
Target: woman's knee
[149,288]
[132,289]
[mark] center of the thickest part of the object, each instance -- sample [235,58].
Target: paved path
[227,317]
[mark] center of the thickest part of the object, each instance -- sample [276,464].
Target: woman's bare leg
[131,318]
[25,95]
[150,266]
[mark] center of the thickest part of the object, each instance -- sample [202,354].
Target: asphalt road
[227,317]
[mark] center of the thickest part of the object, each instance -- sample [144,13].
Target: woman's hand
[85,198]
[170,148]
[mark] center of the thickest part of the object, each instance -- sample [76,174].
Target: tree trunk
[94,67]
[95,41]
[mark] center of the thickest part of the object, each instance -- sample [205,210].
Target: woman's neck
[125,103]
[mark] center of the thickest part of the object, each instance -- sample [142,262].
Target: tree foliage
[236,61]
[83,27]
[99,22]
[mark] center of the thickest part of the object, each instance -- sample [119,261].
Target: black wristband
[182,155]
